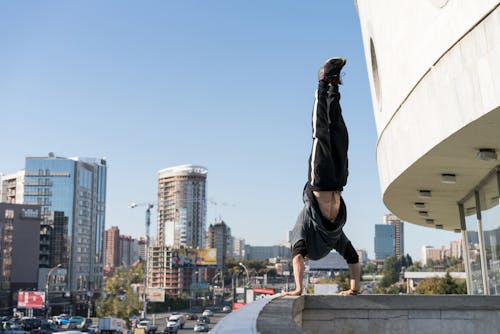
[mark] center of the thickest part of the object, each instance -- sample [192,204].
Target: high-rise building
[19,249]
[238,248]
[76,187]
[11,188]
[162,273]
[141,241]
[182,206]
[264,253]
[111,248]
[399,244]
[219,237]
[129,250]
[430,253]
[384,241]
[456,249]
[58,224]
[389,238]
[363,255]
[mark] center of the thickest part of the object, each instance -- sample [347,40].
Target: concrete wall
[407,314]
[433,67]
[409,37]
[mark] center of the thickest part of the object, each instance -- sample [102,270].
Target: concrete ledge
[243,320]
[406,314]
[283,315]
[403,302]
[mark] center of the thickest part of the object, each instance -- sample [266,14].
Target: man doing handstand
[318,229]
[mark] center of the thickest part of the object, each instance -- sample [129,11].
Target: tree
[343,281]
[428,286]
[118,299]
[271,272]
[416,266]
[406,261]
[392,268]
[370,268]
[441,286]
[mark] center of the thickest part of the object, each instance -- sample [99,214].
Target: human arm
[298,275]
[354,275]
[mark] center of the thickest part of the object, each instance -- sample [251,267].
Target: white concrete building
[238,248]
[434,69]
[12,188]
[182,206]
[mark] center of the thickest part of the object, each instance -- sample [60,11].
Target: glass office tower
[385,236]
[76,187]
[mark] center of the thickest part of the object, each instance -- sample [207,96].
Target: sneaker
[330,71]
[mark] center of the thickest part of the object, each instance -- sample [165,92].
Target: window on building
[490,218]
[472,246]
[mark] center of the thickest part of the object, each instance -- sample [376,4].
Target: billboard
[156,295]
[30,299]
[187,258]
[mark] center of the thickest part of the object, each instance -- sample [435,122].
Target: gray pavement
[189,325]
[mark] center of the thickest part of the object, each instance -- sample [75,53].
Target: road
[189,325]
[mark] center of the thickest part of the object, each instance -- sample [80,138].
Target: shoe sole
[343,62]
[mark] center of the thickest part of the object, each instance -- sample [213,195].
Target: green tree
[170,304]
[370,268]
[118,299]
[343,281]
[391,271]
[441,286]
[271,272]
[448,264]
[406,261]
[415,267]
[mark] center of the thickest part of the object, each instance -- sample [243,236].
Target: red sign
[263,291]
[238,305]
[30,299]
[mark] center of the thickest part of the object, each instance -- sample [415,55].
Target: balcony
[403,314]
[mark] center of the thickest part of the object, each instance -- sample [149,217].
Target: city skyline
[231,91]
[371,252]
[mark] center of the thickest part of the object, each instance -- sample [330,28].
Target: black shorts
[348,252]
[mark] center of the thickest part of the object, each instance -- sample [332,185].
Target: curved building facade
[182,206]
[434,69]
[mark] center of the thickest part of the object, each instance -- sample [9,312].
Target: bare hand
[292,293]
[349,292]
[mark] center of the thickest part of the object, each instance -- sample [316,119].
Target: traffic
[163,323]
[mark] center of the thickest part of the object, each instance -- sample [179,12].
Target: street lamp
[148,223]
[47,304]
[246,271]
[213,287]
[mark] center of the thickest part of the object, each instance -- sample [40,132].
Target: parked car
[208,313]
[226,309]
[201,327]
[203,319]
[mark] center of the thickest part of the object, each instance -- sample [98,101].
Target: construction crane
[148,206]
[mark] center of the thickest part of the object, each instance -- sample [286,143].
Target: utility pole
[148,223]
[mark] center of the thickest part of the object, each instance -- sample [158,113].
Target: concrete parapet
[405,314]
[282,315]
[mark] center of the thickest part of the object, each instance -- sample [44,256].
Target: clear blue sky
[224,84]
